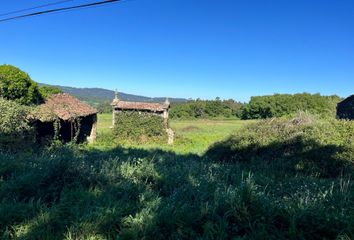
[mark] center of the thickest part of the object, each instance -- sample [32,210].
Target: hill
[100,95]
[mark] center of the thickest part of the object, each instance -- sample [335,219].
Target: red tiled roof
[156,107]
[63,106]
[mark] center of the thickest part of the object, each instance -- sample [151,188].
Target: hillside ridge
[106,95]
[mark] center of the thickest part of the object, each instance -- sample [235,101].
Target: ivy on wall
[139,127]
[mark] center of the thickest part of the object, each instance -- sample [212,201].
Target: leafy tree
[279,105]
[47,91]
[17,85]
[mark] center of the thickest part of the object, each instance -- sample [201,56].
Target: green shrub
[17,85]
[304,143]
[139,127]
[15,130]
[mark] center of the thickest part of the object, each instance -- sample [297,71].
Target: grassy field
[191,136]
[280,179]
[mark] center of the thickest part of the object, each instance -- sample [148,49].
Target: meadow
[222,179]
[191,136]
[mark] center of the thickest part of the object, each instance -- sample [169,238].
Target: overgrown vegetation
[82,192]
[47,91]
[302,144]
[279,105]
[204,109]
[15,130]
[139,127]
[17,85]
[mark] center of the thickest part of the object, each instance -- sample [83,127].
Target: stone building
[158,109]
[345,109]
[67,117]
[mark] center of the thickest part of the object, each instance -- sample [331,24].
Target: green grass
[191,136]
[252,185]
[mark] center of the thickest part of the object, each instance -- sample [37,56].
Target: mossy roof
[62,106]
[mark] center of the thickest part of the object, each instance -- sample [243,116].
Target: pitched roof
[155,107]
[63,106]
[347,100]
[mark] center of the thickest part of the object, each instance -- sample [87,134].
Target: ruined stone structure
[345,109]
[157,109]
[67,117]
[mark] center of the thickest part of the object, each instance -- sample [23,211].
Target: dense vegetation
[139,127]
[75,192]
[17,85]
[279,105]
[206,109]
[302,144]
[47,91]
[15,129]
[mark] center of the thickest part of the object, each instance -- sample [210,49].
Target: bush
[303,143]
[14,126]
[279,105]
[17,85]
[139,127]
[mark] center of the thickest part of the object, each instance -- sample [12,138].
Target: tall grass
[70,192]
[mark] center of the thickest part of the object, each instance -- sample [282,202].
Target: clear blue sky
[189,48]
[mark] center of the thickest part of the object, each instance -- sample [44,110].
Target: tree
[17,85]
[47,91]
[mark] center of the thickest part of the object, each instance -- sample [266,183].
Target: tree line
[206,109]
[279,105]
[17,86]
[259,107]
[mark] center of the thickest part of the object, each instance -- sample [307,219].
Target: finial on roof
[167,102]
[116,94]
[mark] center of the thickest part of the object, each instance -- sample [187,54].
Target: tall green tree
[17,85]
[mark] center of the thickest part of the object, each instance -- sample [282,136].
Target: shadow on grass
[127,193]
[298,155]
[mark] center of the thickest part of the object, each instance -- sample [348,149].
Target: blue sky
[188,48]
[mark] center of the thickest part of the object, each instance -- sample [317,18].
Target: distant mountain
[99,95]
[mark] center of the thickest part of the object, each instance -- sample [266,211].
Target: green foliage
[103,107]
[139,127]
[206,109]
[279,105]
[16,85]
[47,91]
[15,130]
[303,144]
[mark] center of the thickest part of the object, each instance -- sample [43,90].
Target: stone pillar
[170,135]
[113,117]
[93,134]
